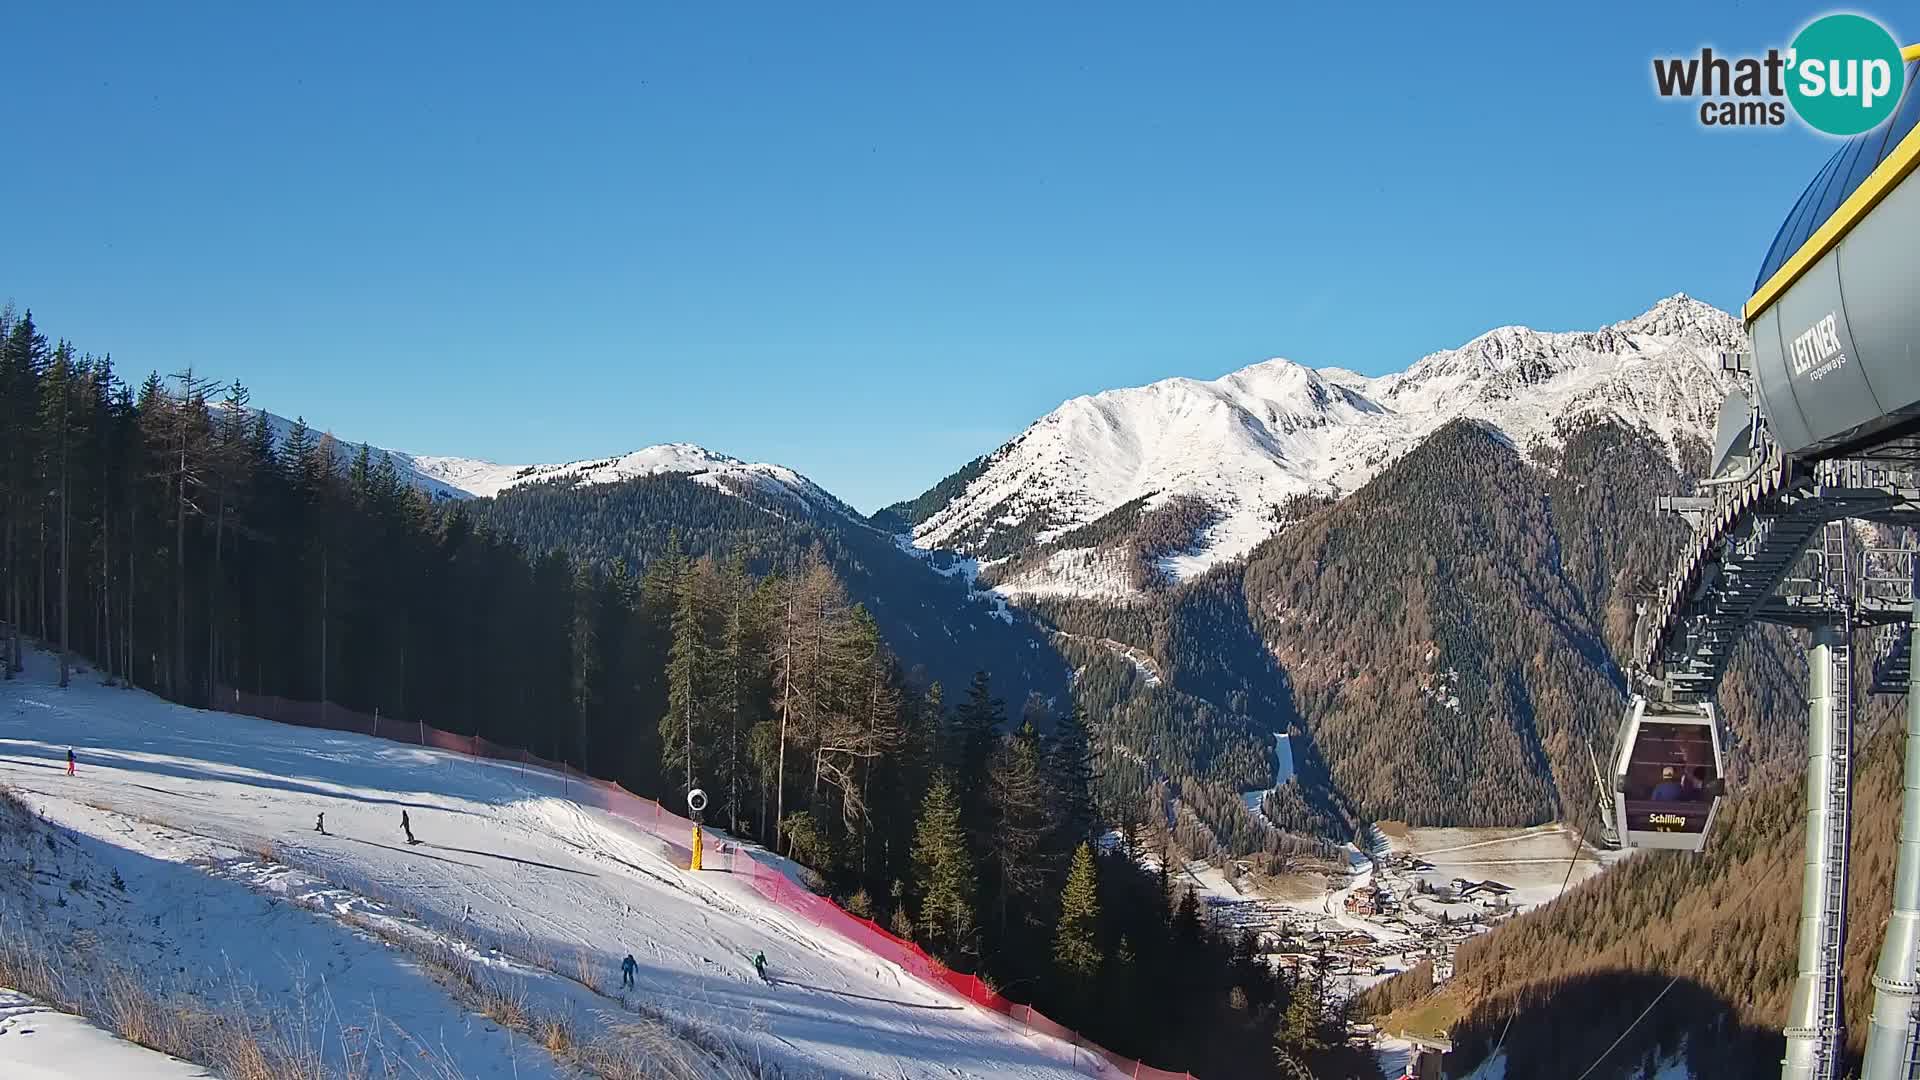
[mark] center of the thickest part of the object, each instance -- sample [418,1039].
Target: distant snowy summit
[447,477]
[1245,442]
[485,478]
[1225,453]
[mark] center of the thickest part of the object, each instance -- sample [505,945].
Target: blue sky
[870,242]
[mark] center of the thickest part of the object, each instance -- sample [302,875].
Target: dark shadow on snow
[862,997]
[115,760]
[408,850]
[509,858]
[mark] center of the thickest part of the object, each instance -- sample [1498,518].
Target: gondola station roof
[1835,312]
[1843,175]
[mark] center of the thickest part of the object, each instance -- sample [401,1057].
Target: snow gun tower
[697,807]
[1823,427]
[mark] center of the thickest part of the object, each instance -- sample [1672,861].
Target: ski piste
[168,788]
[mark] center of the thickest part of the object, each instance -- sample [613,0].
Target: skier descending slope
[407,827]
[627,967]
[69,761]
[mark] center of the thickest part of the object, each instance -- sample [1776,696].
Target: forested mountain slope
[1573,975]
[925,607]
[151,537]
[1444,637]
[1445,644]
[1453,631]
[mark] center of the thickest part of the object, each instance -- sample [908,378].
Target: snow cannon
[696,805]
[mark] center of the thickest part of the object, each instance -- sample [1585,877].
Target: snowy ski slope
[38,1043]
[182,800]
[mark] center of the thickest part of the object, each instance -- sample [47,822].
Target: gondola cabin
[1668,771]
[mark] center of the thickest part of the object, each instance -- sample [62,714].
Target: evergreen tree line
[1455,632]
[1562,982]
[935,625]
[171,535]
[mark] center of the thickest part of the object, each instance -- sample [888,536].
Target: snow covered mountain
[451,477]
[1245,443]
[474,477]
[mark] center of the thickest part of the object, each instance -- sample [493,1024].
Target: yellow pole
[696,849]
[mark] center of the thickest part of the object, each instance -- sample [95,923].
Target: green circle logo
[1845,74]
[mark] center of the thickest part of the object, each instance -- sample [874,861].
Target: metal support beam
[1814,1023]
[1893,1037]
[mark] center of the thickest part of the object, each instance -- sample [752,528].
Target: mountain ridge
[1251,440]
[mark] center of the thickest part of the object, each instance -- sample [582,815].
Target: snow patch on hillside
[947,564]
[1099,573]
[41,1043]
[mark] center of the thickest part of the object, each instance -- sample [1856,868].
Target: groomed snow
[179,799]
[39,1043]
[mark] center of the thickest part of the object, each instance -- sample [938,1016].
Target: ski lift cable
[1572,861]
[1755,887]
[1636,1023]
[1503,1036]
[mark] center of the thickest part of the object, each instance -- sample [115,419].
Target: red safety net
[676,832]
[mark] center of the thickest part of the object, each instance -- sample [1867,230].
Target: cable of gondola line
[1572,861]
[1751,889]
[1504,1028]
[1630,1027]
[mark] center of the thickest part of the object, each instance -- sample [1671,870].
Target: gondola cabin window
[1668,776]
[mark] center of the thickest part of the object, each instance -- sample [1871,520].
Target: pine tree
[1301,1031]
[21,363]
[183,428]
[1071,777]
[56,418]
[229,465]
[743,665]
[586,653]
[1076,946]
[971,739]
[807,668]
[1017,796]
[943,874]
[685,731]
[1120,985]
[900,922]
[1188,931]
[865,726]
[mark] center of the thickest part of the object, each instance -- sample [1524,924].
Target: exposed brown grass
[647,1044]
[227,1028]
[238,1035]
[587,974]
[555,1033]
